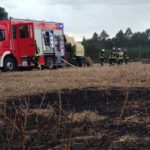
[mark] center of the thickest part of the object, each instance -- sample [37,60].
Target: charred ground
[81,108]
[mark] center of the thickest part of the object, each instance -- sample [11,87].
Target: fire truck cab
[26,43]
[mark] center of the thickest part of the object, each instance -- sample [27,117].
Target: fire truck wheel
[10,64]
[50,63]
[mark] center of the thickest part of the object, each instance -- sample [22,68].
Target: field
[91,108]
[32,82]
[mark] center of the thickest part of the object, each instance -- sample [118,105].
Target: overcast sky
[84,17]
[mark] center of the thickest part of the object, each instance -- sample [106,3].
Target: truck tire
[9,64]
[50,63]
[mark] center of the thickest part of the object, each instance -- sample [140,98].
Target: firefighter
[102,56]
[37,55]
[119,56]
[125,56]
[112,56]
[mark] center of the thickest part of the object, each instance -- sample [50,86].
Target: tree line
[3,14]
[137,44]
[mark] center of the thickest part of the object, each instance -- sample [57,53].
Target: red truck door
[15,43]
[26,41]
[4,43]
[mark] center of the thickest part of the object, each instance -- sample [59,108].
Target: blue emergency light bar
[61,25]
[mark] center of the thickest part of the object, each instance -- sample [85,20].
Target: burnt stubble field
[94,108]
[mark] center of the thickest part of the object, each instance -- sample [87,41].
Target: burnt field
[76,108]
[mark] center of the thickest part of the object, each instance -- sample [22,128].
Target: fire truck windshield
[2,34]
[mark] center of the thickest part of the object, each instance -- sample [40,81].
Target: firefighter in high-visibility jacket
[120,57]
[102,56]
[112,56]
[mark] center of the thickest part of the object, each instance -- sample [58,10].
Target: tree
[83,39]
[128,34]
[137,44]
[148,33]
[148,37]
[120,35]
[3,14]
[103,35]
[103,38]
[119,40]
[109,44]
[139,39]
[95,37]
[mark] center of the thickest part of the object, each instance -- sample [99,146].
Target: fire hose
[66,62]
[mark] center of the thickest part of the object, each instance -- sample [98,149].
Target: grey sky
[84,17]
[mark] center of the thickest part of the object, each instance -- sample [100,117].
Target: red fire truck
[26,43]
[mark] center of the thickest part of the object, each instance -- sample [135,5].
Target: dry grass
[32,82]
[87,116]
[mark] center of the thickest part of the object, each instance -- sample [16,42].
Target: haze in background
[84,17]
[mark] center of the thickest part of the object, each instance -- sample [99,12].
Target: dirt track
[32,82]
